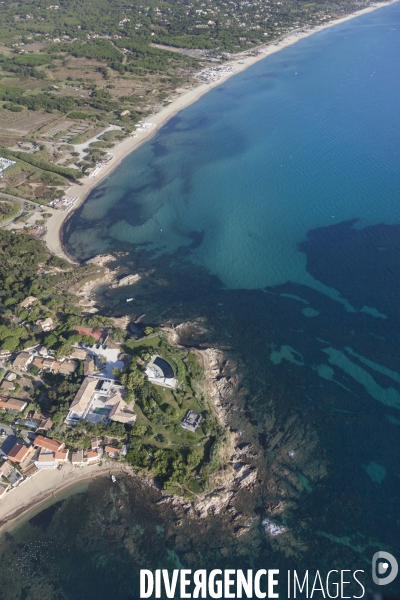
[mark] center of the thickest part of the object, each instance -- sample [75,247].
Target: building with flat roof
[46,460]
[77,458]
[160,372]
[191,421]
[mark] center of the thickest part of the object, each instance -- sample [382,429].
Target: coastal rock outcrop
[128,280]
[100,260]
[237,470]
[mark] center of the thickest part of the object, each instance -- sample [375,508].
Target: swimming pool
[102,411]
[165,367]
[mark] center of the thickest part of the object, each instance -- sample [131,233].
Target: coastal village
[34,438]
[83,395]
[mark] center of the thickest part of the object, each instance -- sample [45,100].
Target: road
[23,204]
[84,148]
[9,431]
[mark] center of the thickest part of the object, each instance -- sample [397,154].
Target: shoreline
[53,236]
[47,487]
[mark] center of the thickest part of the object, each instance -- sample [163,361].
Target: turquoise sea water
[269,212]
[306,138]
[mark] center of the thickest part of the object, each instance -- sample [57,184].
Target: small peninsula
[78,391]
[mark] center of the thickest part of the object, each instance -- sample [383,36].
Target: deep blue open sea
[269,211]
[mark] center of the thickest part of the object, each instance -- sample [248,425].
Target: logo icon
[384,563]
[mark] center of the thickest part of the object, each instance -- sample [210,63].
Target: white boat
[113,479]
[129,299]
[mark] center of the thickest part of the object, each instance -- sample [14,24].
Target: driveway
[111,356]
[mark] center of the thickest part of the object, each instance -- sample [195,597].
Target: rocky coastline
[237,470]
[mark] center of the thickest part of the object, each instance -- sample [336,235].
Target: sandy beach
[240,62]
[46,487]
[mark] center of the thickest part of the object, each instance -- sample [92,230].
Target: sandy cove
[128,145]
[46,487]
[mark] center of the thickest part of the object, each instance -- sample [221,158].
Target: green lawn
[160,411]
[136,347]
[8,209]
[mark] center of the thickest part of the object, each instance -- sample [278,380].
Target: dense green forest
[210,24]
[120,37]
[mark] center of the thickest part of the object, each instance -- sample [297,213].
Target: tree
[88,340]
[139,430]
[22,314]
[102,359]
[50,340]
[64,350]
[9,302]
[138,457]
[119,335]
[58,416]
[148,330]
[133,379]
[10,344]
[161,463]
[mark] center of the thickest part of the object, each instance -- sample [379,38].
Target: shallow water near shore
[268,213]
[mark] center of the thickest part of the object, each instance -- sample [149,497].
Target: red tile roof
[12,403]
[112,450]
[48,443]
[16,404]
[45,424]
[94,333]
[62,454]
[18,452]
[92,454]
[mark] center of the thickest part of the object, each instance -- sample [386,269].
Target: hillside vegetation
[99,62]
